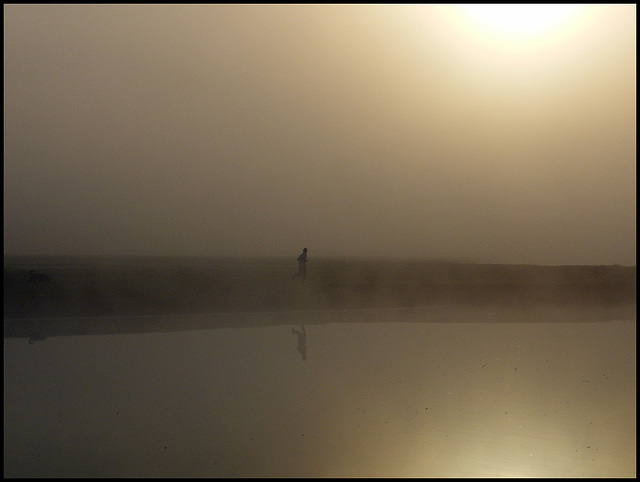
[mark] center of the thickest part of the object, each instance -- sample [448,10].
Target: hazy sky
[355,130]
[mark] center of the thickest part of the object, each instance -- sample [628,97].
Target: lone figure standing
[302,265]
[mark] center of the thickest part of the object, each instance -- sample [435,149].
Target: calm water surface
[488,397]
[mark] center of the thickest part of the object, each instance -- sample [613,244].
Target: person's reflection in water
[302,341]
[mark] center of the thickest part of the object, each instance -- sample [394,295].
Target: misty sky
[353,130]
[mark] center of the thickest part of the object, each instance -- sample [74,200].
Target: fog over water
[354,130]
[490,396]
[467,196]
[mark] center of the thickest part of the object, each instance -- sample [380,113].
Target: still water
[350,398]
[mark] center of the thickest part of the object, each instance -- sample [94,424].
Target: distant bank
[113,286]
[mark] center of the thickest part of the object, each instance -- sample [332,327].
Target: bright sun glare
[520,18]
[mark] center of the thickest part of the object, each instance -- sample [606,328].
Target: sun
[520,19]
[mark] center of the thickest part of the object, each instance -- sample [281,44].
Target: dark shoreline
[139,287]
[40,329]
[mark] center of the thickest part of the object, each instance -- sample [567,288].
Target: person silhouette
[302,341]
[302,265]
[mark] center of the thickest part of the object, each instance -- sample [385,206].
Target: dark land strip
[87,296]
